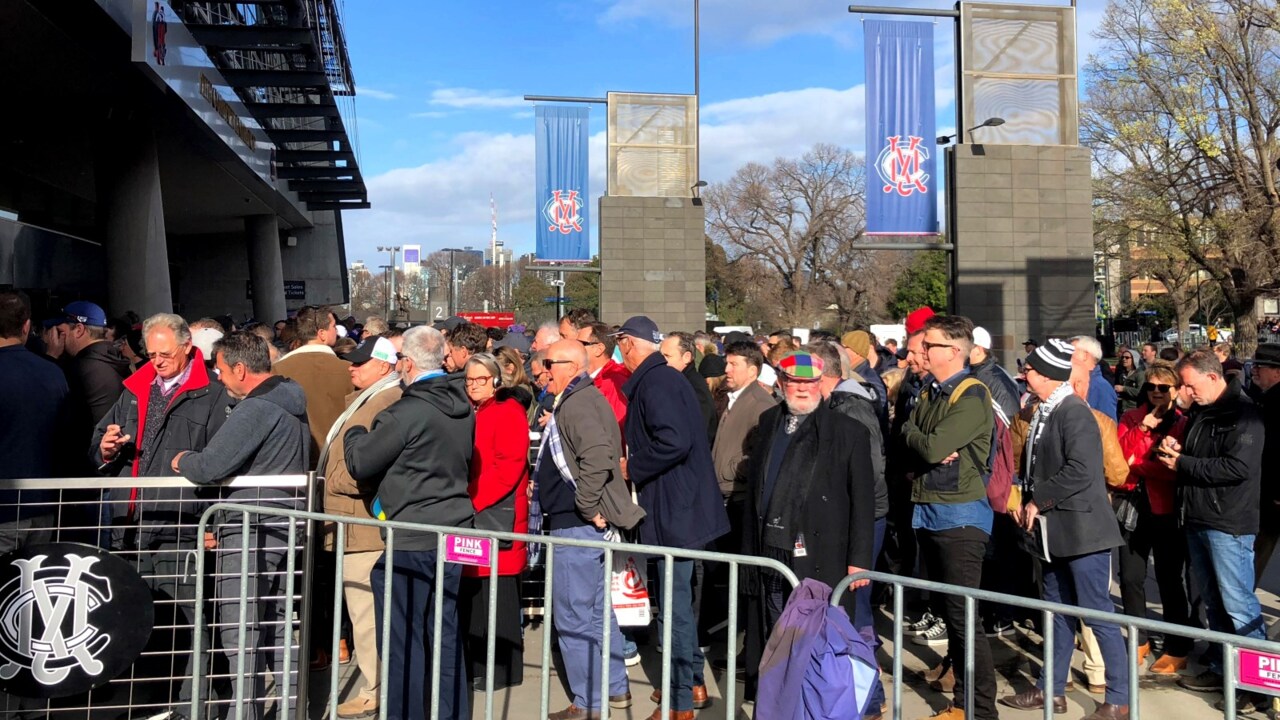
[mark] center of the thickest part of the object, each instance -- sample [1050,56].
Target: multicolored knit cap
[801,365]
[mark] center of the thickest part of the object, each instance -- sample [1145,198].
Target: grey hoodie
[265,434]
[859,402]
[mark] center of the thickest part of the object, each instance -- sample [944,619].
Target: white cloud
[430,114]
[471,99]
[445,203]
[755,22]
[374,94]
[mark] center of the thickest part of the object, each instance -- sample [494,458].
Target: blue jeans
[1085,581]
[1222,566]
[578,613]
[412,622]
[686,658]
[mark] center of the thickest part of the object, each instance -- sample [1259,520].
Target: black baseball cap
[640,327]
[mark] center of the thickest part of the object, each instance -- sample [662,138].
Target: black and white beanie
[1052,360]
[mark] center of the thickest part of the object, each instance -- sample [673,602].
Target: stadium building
[185,156]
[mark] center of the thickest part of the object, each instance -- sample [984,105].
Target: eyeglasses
[929,346]
[1158,387]
[165,355]
[589,343]
[400,356]
[548,363]
[479,380]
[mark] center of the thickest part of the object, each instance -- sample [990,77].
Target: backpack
[998,470]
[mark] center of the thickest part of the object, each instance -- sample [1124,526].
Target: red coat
[609,382]
[499,463]
[1139,450]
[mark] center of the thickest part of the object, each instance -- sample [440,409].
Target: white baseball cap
[982,338]
[375,348]
[204,338]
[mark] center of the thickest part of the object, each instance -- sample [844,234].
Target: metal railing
[1230,642]
[550,545]
[144,522]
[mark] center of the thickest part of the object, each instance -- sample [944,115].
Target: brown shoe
[344,653]
[1168,665]
[1033,699]
[1098,689]
[320,660]
[951,713]
[1143,651]
[621,702]
[1107,711]
[573,712]
[673,715]
[358,707]
[700,699]
[946,683]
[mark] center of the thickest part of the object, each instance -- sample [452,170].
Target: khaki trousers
[356,567]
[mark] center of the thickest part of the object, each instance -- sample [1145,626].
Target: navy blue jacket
[669,459]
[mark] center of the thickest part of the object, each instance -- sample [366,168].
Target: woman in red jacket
[499,491]
[1150,526]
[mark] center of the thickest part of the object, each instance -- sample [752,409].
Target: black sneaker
[1205,682]
[920,626]
[997,628]
[1246,702]
[936,635]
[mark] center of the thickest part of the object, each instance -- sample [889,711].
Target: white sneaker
[633,659]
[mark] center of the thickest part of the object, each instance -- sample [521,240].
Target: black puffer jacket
[1220,469]
[1004,391]
[416,459]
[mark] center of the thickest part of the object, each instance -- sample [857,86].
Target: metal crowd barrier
[550,544]
[163,540]
[1230,643]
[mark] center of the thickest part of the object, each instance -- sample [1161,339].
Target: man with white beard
[810,497]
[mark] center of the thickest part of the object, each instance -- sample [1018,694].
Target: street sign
[554,299]
[1148,312]
[1259,671]
[500,320]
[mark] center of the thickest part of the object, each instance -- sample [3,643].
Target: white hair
[425,346]
[1089,345]
[175,323]
[553,331]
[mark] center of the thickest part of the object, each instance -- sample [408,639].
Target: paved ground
[1016,657]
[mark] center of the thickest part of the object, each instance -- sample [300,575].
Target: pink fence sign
[1259,671]
[465,550]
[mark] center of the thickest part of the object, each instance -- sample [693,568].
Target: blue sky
[442,123]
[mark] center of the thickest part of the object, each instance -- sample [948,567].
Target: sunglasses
[929,346]
[548,363]
[1158,387]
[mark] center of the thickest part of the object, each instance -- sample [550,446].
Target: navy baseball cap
[85,313]
[640,327]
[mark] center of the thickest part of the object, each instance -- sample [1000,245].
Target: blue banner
[564,232]
[901,129]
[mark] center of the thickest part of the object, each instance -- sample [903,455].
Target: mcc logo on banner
[560,138]
[901,129]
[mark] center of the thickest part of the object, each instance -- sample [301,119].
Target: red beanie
[915,321]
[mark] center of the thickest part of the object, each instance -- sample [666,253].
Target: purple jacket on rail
[815,666]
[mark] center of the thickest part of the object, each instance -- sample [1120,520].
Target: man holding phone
[1219,483]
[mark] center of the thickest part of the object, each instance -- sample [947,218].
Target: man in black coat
[810,497]
[1219,470]
[1065,496]
[677,348]
[669,463]
[1266,377]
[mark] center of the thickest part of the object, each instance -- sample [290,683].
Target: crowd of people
[831,456]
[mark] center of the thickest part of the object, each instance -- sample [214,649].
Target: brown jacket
[1115,467]
[325,380]
[341,495]
[736,436]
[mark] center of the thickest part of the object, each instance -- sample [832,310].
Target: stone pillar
[266,272]
[132,215]
[653,261]
[1024,242]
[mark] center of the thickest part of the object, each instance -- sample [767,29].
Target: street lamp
[453,281]
[989,122]
[697,194]
[391,297]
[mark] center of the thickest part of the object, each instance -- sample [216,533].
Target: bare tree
[800,218]
[1184,105]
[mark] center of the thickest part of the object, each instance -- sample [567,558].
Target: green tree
[583,288]
[923,283]
[529,300]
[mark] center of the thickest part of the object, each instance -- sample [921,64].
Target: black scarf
[791,489]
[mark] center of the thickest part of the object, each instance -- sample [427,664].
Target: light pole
[989,122]
[453,282]
[391,297]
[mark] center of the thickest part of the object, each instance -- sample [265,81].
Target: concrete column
[132,212]
[265,269]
